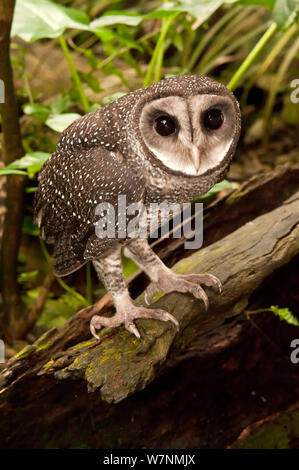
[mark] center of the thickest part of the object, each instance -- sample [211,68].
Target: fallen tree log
[255,197]
[44,399]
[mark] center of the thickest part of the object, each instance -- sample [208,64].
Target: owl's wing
[71,185]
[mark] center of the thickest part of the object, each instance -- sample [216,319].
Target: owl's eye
[165,125]
[213,119]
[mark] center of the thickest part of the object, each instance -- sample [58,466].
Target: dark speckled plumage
[102,155]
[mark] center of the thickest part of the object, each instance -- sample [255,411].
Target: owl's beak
[195,155]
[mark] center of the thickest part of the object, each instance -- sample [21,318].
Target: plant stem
[157,59]
[289,56]
[226,34]
[74,73]
[159,62]
[251,56]
[234,45]
[208,36]
[269,60]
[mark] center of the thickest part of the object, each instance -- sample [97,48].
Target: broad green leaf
[60,105]
[104,34]
[215,189]
[135,64]
[32,162]
[7,171]
[61,121]
[30,159]
[27,276]
[129,267]
[199,9]
[284,314]
[116,17]
[56,311]
[39,111]
[285,12]
[37,19]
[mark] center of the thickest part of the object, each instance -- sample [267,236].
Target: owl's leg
[109,270]
[165,280]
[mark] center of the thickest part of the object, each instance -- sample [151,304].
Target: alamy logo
[295,94]
[295,353]
[2,91]
[139,221]
[2,351]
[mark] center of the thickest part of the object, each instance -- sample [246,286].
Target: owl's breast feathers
[72,183]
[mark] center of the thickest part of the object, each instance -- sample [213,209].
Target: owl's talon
[171,282]
[208,280]
[146,300]
[127,315]
[93,331]
[132,329]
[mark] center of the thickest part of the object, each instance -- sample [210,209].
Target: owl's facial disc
[189,135]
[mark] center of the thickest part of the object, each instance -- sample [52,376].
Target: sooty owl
[168,142]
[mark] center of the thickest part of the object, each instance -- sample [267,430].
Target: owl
[168,142]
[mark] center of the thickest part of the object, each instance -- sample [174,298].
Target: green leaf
[61,121]
[199,9]
[25,277]
[56,311]
[129,267]
[285,12]
[39,111]
[104,34]
[37,19]
[284,314]
[32,162]
[7,171]
[116,17]
[31,189]
[262,3]
[215,189]
[60,105]
[29,228]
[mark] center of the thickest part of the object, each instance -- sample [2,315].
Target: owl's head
[187,125]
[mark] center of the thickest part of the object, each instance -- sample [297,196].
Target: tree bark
[12,320]
[199,388]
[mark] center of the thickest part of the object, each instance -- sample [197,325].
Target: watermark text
[2,91]
[295,353]
[137,220]
[295,94]
[2,351]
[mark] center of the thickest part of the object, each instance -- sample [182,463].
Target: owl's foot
[170,282]
[127,315]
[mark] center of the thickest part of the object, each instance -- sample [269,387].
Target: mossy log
[197,388]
